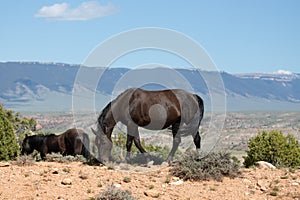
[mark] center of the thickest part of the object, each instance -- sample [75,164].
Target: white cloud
[85,11]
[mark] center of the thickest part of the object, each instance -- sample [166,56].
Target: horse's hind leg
[176,141]
[197,140]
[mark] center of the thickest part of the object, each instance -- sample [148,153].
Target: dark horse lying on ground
[71,142]
[154,110]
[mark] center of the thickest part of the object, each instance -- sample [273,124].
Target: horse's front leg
[78,146]
[133,134]
[134,131]
[128,147]
[43,151]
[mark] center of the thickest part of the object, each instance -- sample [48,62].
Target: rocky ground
[75,180]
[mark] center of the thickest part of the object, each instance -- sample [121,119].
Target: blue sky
[240,36]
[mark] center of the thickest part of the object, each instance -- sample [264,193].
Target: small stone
[4,164]
[295,184]
[263,164]
[152,193]
[261,185]
[83,175]
[104,167]
[117,185]
[247,181]
[177,182]
[55,171]
[151,163]
[66,181]
[164,164]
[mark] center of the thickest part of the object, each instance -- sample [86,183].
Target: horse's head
[103,144]
[26,145]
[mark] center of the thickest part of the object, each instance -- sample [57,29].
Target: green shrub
[197,166]
[9,148]
[113,193]
[21,125]
[273,147]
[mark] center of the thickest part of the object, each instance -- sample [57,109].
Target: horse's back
[185,103]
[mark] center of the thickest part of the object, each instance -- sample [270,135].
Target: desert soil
[75,180]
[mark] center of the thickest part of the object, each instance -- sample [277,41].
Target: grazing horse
[71,142]
[155,110]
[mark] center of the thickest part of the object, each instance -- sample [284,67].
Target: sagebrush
[196,166]
[113,193]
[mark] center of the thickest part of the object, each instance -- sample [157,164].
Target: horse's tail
[201,107]
[86,146]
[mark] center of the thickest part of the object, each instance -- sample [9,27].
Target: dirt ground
[75,180]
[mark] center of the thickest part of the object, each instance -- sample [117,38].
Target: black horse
[155,110]
[71,142]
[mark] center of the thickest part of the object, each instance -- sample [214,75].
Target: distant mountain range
[38,87]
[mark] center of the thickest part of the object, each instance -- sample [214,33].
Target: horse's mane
[102,115]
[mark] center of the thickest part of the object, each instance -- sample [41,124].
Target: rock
[66,181]
[152,193]
[261,185]
[263,164]
[4,164]
[177,182]
[247,181]
[117,185]
[151,163]
[247,193]
[104,167]
[295,184]
[84,175]
[55,171]
[164,164]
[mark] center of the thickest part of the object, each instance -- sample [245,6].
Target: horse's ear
[26,135]
[95,132]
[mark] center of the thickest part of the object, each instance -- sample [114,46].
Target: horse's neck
[109,120]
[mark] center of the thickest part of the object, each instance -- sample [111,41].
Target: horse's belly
[157,118]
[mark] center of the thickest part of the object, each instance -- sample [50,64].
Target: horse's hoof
[169,160]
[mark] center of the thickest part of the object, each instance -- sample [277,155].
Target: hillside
[33,86]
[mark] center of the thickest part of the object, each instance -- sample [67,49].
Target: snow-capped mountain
[38,86]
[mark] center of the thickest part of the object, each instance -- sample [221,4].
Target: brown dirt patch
[43,180]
